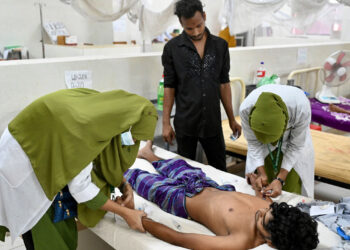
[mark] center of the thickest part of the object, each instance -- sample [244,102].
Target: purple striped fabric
[169,188]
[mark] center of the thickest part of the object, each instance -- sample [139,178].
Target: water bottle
[160,97]
[260,73]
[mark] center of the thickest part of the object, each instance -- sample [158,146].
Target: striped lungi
[169,188]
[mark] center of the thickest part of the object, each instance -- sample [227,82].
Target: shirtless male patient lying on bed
[240,221]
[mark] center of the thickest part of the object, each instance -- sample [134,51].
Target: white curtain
[306,12]
[103,10]
[245,15]
[345,2]
[152,23]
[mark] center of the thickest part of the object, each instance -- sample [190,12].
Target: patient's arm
[335,108]
[192,240]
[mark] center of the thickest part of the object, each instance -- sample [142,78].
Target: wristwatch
[280,180]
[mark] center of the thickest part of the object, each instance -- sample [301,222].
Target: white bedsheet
[114,230]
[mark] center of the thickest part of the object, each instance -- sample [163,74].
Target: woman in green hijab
[275,121]
[61,158]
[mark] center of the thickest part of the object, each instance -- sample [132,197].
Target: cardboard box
[61,40]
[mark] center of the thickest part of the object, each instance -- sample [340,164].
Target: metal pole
[41,27]
[141,27]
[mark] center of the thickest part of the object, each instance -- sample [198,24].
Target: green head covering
[269,118]
[64,131]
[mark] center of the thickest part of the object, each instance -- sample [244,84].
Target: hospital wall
[20,24]
[23,81]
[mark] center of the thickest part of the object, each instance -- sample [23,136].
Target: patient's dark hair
[291,228]
[187,8]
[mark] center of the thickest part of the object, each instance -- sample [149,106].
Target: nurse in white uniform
[275,122]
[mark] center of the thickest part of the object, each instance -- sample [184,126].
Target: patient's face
[262,218]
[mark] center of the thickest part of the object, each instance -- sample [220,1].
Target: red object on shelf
[316,127]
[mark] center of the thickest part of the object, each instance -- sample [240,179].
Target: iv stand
[41,27]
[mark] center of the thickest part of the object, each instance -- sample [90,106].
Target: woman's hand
[251,179]
[274,189]
[258,182]
[261,180]
[134,219]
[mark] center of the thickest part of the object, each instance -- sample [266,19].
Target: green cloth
[64,131]
[98,201]
[269,118]
[3,231]
[293,182]
[62,235]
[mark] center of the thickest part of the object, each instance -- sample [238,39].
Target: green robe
[64,131]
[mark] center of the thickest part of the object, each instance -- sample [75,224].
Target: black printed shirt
[197,83]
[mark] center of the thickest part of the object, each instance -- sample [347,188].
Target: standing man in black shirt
[196,75]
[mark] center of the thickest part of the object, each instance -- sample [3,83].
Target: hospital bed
[114,230]
[309,80]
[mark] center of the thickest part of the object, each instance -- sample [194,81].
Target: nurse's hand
[274,189]
[236,128]
[168,134]
[251,179]
[261,182]
[134,219]
[131,216]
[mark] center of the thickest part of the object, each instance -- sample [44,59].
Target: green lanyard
[112,189]
[275,161]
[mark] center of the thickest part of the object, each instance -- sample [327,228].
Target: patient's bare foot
[147,153]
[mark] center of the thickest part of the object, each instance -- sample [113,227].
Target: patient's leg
[168,194]
[172,168]
[194,179]
[177,179]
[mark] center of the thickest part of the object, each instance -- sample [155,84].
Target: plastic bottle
[260,73]
[160,96]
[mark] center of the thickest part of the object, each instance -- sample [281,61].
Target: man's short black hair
[187,8]
[291,228]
